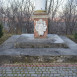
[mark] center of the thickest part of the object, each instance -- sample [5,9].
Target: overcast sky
[60,9]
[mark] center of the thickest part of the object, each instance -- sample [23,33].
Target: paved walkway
[40,70]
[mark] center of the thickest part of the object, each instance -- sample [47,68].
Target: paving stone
[73,76]
[19,74]
[39,75]
[29,67]
[70,72]
[43,69]
[43,75]
[51,75]
[39,72]
[32,72]
[9,74]
[56,74]
[27,74]
[0,74]
[34,75]
[74,73]
[15,74]
[25,70]
[35,69]
[23,75]
[46,74]
[16,67]
[66,76]
[70,76]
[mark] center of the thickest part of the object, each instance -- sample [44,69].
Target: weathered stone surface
[7,48]
[52,41]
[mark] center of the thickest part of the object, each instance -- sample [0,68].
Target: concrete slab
[49,37]
[28,41]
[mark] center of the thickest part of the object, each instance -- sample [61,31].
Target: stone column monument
[40,19]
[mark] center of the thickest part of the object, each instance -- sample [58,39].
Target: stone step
[38,59]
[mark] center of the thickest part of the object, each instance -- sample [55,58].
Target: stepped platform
[28,41]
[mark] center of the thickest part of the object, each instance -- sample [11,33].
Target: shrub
[1,30]
[75,35]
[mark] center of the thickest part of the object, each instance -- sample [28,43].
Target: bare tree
[70,16]
[18,15]
[52,9]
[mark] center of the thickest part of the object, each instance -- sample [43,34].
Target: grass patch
[4,38]
[72,38]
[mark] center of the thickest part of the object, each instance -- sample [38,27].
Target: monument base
[40,24]
[28,41]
